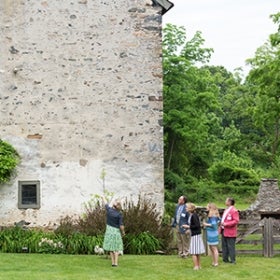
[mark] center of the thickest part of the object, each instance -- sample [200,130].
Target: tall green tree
[264,84]
[275,38]
[190,100]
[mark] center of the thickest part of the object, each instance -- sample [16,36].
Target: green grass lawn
[85,267]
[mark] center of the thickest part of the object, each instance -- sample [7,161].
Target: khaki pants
[183,242]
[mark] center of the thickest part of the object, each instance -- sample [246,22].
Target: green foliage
[143,217]
[76,243]
[143,243]
[201,191]
[222,172]
[275,38]
[263,81]
[174,185]
[187,100]
[221,132]
[93,221]
[67,226]
[80,243]
[9,159]
[17,240]
[142,222]
[51,246]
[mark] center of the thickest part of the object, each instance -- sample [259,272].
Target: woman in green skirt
[114,231]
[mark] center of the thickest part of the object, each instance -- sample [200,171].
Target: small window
[28,194]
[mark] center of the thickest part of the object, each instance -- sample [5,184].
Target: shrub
[17,240]
[67,226]
[146,233]
[9,159]
[143,243]
[139,218]
[93,221]
[51,246]
[145,217]
[80,243]
[224,173]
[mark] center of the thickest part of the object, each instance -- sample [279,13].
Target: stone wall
[81,92]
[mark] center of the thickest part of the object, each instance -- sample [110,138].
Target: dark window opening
[29,194]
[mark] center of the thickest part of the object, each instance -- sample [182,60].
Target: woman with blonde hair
[196,245]
[212,231]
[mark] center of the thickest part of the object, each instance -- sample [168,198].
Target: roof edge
[165,4]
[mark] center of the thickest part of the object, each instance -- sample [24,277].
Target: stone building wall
[81,92]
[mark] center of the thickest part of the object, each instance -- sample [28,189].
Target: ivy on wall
[9,158]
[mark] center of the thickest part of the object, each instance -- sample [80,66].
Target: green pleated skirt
[112,239]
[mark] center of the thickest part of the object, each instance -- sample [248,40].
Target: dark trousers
[228,248]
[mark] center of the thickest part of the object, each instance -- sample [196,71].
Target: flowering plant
[50,246]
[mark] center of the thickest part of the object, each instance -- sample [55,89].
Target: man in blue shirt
[181,217]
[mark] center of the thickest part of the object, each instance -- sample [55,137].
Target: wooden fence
[263,234]
[260,236]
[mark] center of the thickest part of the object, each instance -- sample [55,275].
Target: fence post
[268,238]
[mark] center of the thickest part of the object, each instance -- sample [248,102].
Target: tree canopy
[221,133]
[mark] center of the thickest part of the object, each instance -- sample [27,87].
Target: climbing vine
[9,158]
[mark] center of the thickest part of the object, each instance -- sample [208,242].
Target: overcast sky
[233,28]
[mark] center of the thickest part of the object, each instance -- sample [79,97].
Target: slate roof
[165,4]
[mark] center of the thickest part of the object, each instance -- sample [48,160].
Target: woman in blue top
[211,226]
[114,230]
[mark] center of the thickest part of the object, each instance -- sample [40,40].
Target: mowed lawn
[85,267]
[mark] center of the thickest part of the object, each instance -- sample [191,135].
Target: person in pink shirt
[229,224]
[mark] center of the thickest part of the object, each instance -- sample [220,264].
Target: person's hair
[231,200]
[191,207]
[117,205]
[213,210]
[184,198]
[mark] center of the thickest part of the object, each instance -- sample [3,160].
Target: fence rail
[266,233]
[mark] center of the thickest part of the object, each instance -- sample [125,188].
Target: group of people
[188,230]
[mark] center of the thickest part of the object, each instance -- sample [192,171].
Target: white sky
[233,28]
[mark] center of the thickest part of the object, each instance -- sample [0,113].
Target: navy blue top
[114,217]
[183,218]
